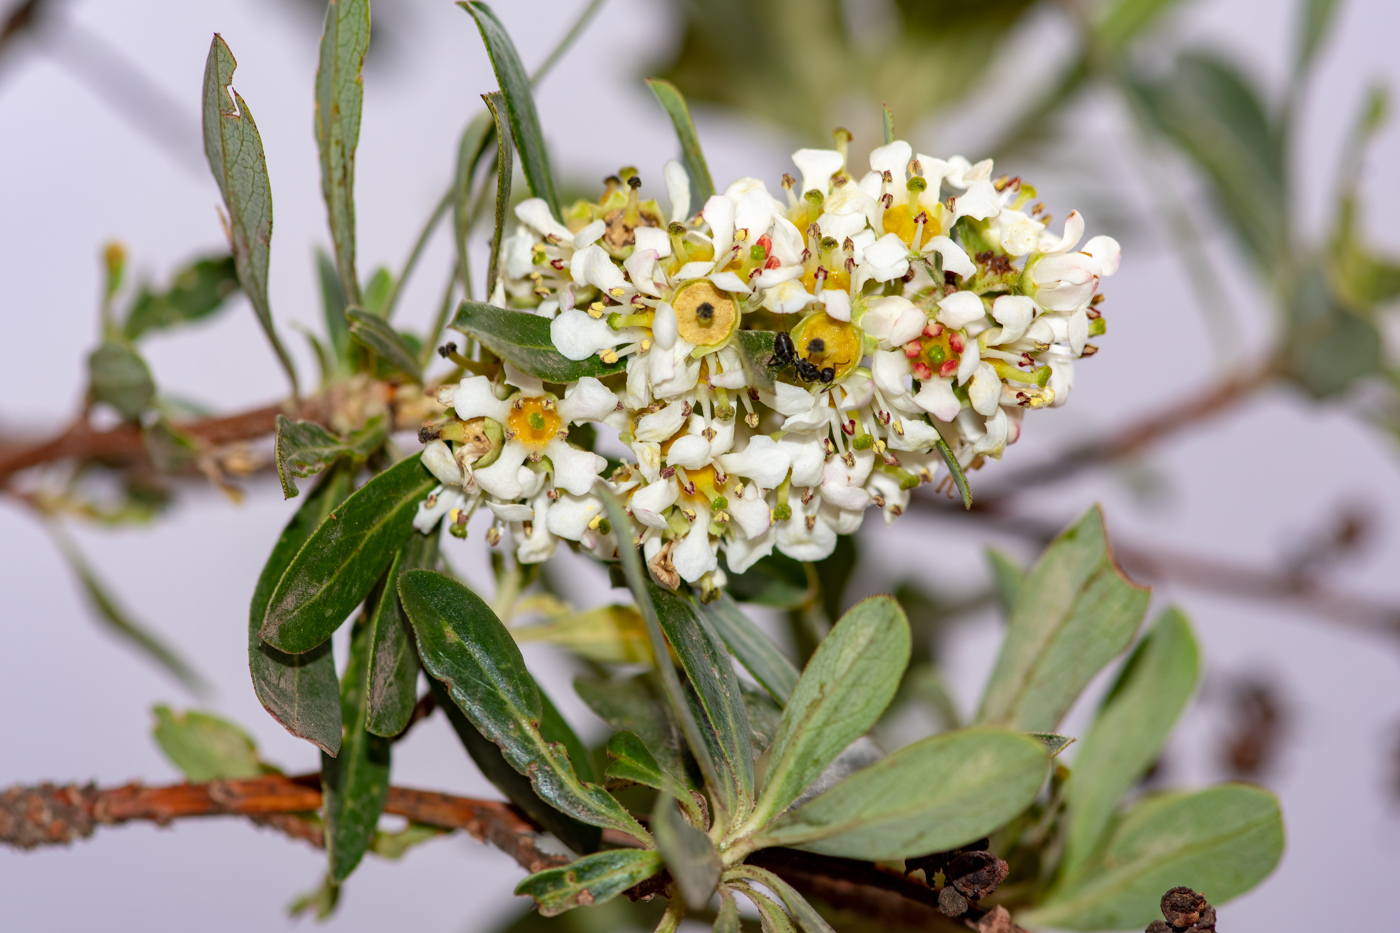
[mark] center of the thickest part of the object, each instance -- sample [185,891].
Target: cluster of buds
[917,307]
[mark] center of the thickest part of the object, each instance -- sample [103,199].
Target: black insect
[807,371]
[828,374]
[784,353]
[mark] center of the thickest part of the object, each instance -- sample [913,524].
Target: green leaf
[888,121]
[1328,347]
[635,705]
[119,377]
[727,919]
[377,291]
[1223,841]
[776,581]
[556,729]
[339,564]
[846,686]
[801,911]
[354,784]
[1007,577]
[505,164]
[205,747]
[755,350]
[465,646]
[673,102]
[1054,742]
[520,104]
[304,448]
[333,304]
[956,471]
[591,880]
[321,900]
[771,917]
[199,290]
[937,794]
[476,136]
[373,332]
[1123,20]
[1318,16]
[1074,613]
[610,634]
[522,339]
[392,682]
[690,856]
[340,96]
[299,690]
[763,659]
[394,845]
[1136,717]
[633,762]
[235,153]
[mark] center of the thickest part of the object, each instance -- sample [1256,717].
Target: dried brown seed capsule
[951,903]
[976,874]
[1183,907]
[1158,926]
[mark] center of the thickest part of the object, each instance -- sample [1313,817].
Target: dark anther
[816,345]
[705,311]
[807,371]
[951,903]
[1186,912]
[429,433]
[828,374]
[634,182]
[976,874]
[783,351]
[447,349]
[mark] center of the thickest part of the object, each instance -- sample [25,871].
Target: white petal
[890,370]
[518,252]
[788,241]
[575,469]
[886,253]
[730,282]
[993,442]
[677,189]
[789,399]
[664,326]
[1014,314]
[661,425]
[590,234]
[881,314]
[955,258]
[587,400]
[526,383]
[651,500]
[569,516]
[511,511]
[960,309]
[797,542]
[837,304]
[578,336]
[808,420]
[719,214]
[893,158]
[653,238]
[984,392]
[1078,330]
[502,478]
[910,324]
[840,489]
[979,202]
[695,556]
[936,397]
[1074,230]
[971,358]
[750,512]
[817,166]
[535,213]
[769,278]
[1106,252]
[806,455]
[918,435]
[439,502]
[437,457]
[593,265]
[858,390]
[641,269]
[789,297]
[693,270]
[763,461]
[691,451]
[741,553]
[754,213]
[476,398]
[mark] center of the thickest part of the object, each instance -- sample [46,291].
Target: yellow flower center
[900,221]
[827,342]
[534,421]
[705,316]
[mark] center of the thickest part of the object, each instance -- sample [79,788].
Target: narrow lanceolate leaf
[522,339]
[355,784]
[520,103]
[333,305]
[199,289]
[205,747]
[556,730]
[804,913]
[392,681]
[633,763]
[610,634]
[638,705]
[338,566]
[888,123]
[373,332]
[464,645]
[299,690]
[591,880]
[763,659]
[755,352]
[716,701]
[845,688]
[1074,612]
[937,794]
[1154,687]
[470,148]
[689,854]
[340,95]
[727,919]
[235,153]
[676,108]
[1007,577]
[1223,841]
[956,471]
[505,165]
[119,377]
[304,448]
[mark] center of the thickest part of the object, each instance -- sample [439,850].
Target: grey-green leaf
[340,96]
[955,469]
[299,690]
[635,705]
[372,331]
[1318,16]
[1222,841]
[304,448]
[727,919]
[354,784]
[522,339]
[689,854]
[119,377]
[937,794]
[339,564]
[763,659]
[199,289]
[755,350]
[235,153]
[801,911]
[1152,690]
[633,762]
[1074,613]
[1054,742]
[845,688]
[470,148]
[591,880]
[392,682]
[205,747]
[464,645]
[673,102]
[505,164]
[520,103]
[1007,577]
[333,305]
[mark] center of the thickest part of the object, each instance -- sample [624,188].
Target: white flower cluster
[890,317]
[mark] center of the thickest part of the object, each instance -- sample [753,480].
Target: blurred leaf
[937,794]
[470,148]
[111,613]
[1223,840]
[465,646]
[169,448]
[338,566]
[763,659]
[777,581]
[392,846]
[304,448]
[235,153]
[591,880]
[1318,16]
[205,747]
[771,917]
[1120,21]
[373,332]
[199,290]
[634,705]
[690,856]
[764,715]
[555,728]
[1007,577]
[392,681]
[322,900]
[1361,279]
[955,470]
[607,634]
[1127,736]
[846,686]
[505,165]
[119,377]
[377,291]
[355,783]
[520,104]
[522,339]
[1054,742]
[301,691]
[1074,613]
[1328,348]
[727,918]
[333,304]
[340,95]
[673,102]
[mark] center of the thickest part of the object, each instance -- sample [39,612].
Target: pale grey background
[73,174]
